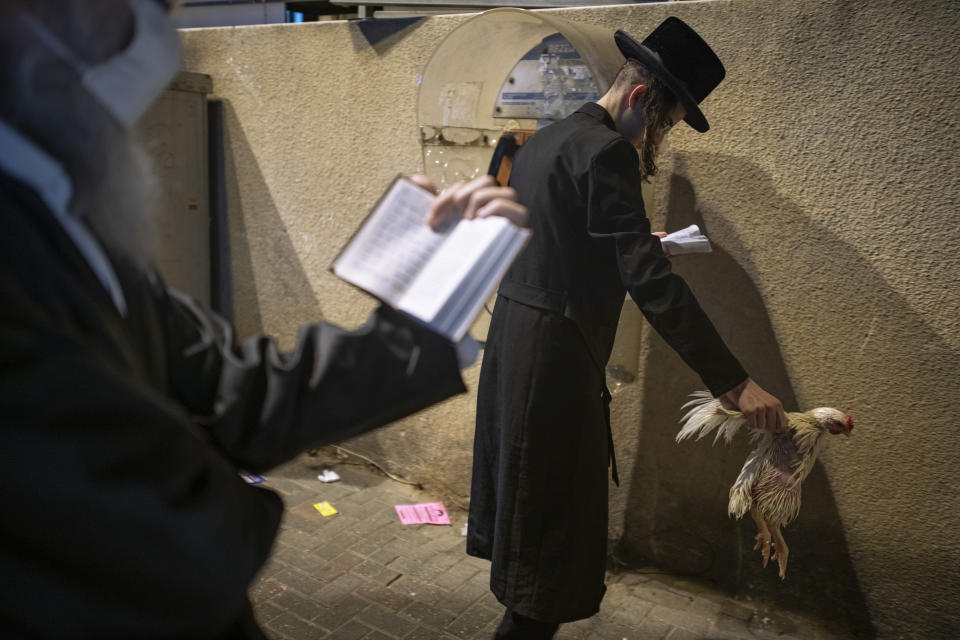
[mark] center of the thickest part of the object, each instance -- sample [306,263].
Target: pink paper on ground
[424,513]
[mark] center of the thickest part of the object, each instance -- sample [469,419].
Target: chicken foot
[763,537]
[780,550]
[769,542]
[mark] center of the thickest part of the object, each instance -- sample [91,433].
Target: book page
[461,310]
[393,245]
[450,266]
[688,240]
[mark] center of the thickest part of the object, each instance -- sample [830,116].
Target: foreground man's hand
[479,198]
[762,410]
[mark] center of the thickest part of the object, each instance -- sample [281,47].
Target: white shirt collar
[23,160]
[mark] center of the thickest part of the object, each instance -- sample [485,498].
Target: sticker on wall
[459,101]
[550,82]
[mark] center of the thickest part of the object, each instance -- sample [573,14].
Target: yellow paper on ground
[325,509]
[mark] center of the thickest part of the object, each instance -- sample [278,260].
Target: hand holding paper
[688,240]
[439,275]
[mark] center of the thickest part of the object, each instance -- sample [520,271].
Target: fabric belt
[606,416]
[557,302]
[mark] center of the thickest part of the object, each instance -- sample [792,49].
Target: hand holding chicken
[769,483]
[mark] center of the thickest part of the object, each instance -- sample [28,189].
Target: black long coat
[538,504]
[123,515]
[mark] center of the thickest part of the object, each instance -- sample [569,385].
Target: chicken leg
[780,550]
[763,537]
[770,542]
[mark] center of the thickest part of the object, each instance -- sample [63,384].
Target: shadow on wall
[676,507]
[269,281]
[381,33]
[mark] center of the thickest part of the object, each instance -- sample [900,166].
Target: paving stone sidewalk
[362,574]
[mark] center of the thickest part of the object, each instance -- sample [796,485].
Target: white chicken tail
[708,414]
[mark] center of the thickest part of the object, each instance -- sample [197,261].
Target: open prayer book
[439,276]
[688,240]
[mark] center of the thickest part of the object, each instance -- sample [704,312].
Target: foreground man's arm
[262,406]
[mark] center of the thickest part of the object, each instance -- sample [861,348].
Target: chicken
[769,483]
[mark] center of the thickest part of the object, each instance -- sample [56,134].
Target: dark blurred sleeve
[615,210]
[262,406]
[119,518]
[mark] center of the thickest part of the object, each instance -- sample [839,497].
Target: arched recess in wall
[461,107]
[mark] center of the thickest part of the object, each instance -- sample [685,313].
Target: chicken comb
[850,421]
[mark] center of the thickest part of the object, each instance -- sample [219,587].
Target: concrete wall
[828,184]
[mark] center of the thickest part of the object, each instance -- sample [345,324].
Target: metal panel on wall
[174,133]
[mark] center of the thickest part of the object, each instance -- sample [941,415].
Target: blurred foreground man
[538,506]
[126,410]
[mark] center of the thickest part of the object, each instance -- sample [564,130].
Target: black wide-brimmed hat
[677,55]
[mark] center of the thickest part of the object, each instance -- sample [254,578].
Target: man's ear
[636,95]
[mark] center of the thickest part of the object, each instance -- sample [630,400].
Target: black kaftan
[538,505]
[122,514]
